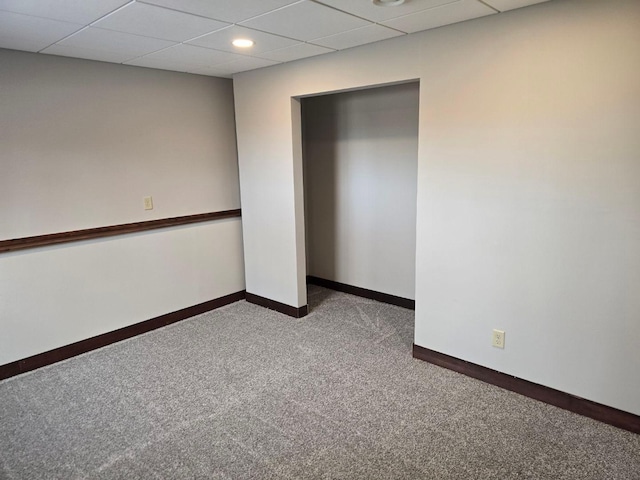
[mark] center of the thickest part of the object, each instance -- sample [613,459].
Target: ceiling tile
[151,21]
[161,64]
[228,69]
[301,50]
[359,36]
[437,17]
[264,42]
[147,32]
[305,21]
[225,10]
[193,55]
[87,53]
[209,71]
[244,64]
[504,5]
[74,11]
[23,32]
[366,9]
[112,41]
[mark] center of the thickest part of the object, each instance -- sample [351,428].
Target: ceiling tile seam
[83,26]
[310,42]
[490,6]
[373,22]
[110,51]
[353,30]
[65,37]
[183,12]
[157,38]
[265,13]
[415,13]
[256,56]
[186,42]
[250,28]
[261,31]
[111,13]
[175,45]
[115,31]
[182,66]
[242,26]
[392,28]
[135,57]
[175,42]
[426,10]
[240,59]
[347,31]
[220,65]
[345,12]
[268,13]
[38,16]
[128,59]
[63,21]
[238,23]
[195,64]
[341,49]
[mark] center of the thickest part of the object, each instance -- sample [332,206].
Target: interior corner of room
[486,172]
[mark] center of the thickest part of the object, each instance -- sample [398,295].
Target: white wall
[54,296]
[528,187]
[81,144]
[360,154]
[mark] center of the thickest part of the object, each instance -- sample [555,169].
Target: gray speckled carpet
[244,392]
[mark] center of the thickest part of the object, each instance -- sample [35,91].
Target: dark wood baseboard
[295,312]
[363,292]
[597,411]
[83,346]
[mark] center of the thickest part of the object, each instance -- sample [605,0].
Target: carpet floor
[244,392]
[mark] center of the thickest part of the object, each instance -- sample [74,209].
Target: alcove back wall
[360,162]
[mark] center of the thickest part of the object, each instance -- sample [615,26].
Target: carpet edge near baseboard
[295,312]
[55,355]
[362,292]
[597,411]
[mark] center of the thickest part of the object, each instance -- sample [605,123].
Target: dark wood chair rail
[110,231]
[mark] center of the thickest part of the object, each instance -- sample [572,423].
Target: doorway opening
[359,165]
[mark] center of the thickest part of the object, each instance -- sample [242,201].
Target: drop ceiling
[195,35]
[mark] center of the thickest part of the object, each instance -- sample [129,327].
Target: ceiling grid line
[490,6]
[85,26]
[195,35]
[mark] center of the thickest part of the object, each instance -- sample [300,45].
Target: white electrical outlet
[148,203]
[498,338]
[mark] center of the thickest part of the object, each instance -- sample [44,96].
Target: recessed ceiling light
[243,43]
[387,3]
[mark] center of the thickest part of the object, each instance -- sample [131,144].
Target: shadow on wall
[320,153]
